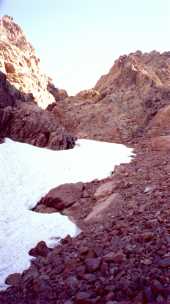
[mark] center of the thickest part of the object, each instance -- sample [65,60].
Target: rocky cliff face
[129,102]
[27,122]
[21,66]
[24,90]
[124,104]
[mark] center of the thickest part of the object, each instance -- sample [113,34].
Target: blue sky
[78,40]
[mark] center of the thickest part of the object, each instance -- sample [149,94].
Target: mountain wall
[19,62]
[125,104]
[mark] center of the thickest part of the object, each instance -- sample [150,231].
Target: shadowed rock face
[124,102]
[21,66]
[27,122]
[5,98]
[24,90]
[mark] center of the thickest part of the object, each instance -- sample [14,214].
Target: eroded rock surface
[19,62]
[124,103]
[28,123]
[25,121]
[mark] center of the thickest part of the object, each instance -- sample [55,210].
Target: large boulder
[26,122]
[63,196]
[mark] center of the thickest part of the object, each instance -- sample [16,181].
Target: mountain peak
[19,62]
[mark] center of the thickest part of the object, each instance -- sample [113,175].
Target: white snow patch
[26,174]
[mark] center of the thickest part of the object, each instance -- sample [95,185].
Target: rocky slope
[121,257]
[127,103]
[21,66]
[123,254]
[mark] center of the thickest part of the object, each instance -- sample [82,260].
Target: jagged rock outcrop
[24,90]
[21,66]
[27,122]
[124,102]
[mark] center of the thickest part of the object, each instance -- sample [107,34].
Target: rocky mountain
[125,104]
[134,93]
[27,122]
[24,91]
[21,65]
[122,254]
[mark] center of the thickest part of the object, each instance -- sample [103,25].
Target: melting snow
[26,174]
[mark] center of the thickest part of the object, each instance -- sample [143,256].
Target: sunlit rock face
[21,65]
[27,173]
[123,102]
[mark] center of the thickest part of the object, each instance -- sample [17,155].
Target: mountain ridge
[122,254]
[136,88]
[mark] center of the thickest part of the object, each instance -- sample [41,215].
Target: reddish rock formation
[26,122]
[63,196]
[123,254]
[124,102]
[21,66]
[30,124]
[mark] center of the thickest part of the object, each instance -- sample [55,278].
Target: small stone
[164,263]
[90,277]
[82,298]
[146,261]
[118,257]
[93,264]
[83,250]
[147,236]
[72,282]
[13,279]
[149,189]
[157,286]
[9,67]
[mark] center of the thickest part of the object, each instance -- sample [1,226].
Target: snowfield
[26,174]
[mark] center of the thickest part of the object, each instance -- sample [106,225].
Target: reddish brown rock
[117,257]
[114,203]
[165,263]
[13,279]
[122,258]
[63,196]
[104,190]
[160,143]
[128,98]
[41,249]
[22,89]
[83,298]
[26,122]
[92,264]
[21,66]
